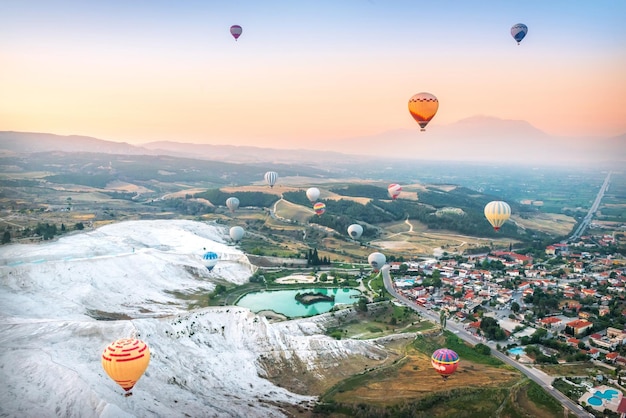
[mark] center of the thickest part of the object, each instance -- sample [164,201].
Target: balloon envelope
[319,208]
[423,107]
[497,213]
[232,203]
[209,259]
[394,190]
[236,233]
[271,177]
[376,260]
[236,30]
[519,31]
[445,361]
[313,194]
[355,231]
[125,360]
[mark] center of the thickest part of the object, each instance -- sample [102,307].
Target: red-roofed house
[549,321]
[611,356]
[579,326]
[573,341]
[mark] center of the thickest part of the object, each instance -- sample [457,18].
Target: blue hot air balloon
[519,31]
[209,259]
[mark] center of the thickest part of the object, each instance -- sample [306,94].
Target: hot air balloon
[313,194]
[445,362]
[376,260]
[394,191]
[271,177]
[232,203]
[423,107]
[236,30]
[125,361]
[209,259]
[497,213]
[355,231]
[519,31]
[319,208]
[236,233]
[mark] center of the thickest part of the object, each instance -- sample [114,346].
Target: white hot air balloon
[236,233]
[313,194]
[497,213]
[376,260]
[355,231]
[271,177]
[232,203]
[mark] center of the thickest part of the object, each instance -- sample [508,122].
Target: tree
[6,237]
[515,307]
[443,319]
[362,305]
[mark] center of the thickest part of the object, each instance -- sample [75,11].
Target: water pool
[594,401]
[284,302]
[517,351]
[607,394]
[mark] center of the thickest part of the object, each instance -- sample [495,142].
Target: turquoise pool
[607,394]
[284,302]
[594,401]
[517,351]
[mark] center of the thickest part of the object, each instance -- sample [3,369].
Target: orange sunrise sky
[303,71]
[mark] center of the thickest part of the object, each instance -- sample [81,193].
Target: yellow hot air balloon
[497,213]
[125,361]
[423,107]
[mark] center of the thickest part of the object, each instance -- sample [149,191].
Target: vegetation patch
[310,298]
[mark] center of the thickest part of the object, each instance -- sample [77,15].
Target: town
[561,307]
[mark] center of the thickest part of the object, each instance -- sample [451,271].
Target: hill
[63,302]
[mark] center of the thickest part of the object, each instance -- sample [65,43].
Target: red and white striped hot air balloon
[394,190]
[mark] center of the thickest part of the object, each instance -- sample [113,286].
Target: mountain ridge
[473,139]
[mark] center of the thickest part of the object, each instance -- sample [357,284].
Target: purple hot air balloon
[236,30]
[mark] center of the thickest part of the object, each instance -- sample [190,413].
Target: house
[573,342]
[611,357]
[593,353]
[550,321]
[579,326]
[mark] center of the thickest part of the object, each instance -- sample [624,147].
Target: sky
[306,71]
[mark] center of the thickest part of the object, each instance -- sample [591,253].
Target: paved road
[592,210]
[542,379]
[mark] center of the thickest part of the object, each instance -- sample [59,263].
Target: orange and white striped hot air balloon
[125,360]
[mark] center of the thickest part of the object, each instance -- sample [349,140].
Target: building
[579,326]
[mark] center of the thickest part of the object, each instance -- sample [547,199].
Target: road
[592,210]
[537,376]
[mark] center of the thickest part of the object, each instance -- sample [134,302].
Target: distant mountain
[475,139]
[484,138]
[27,142]
[247,154]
